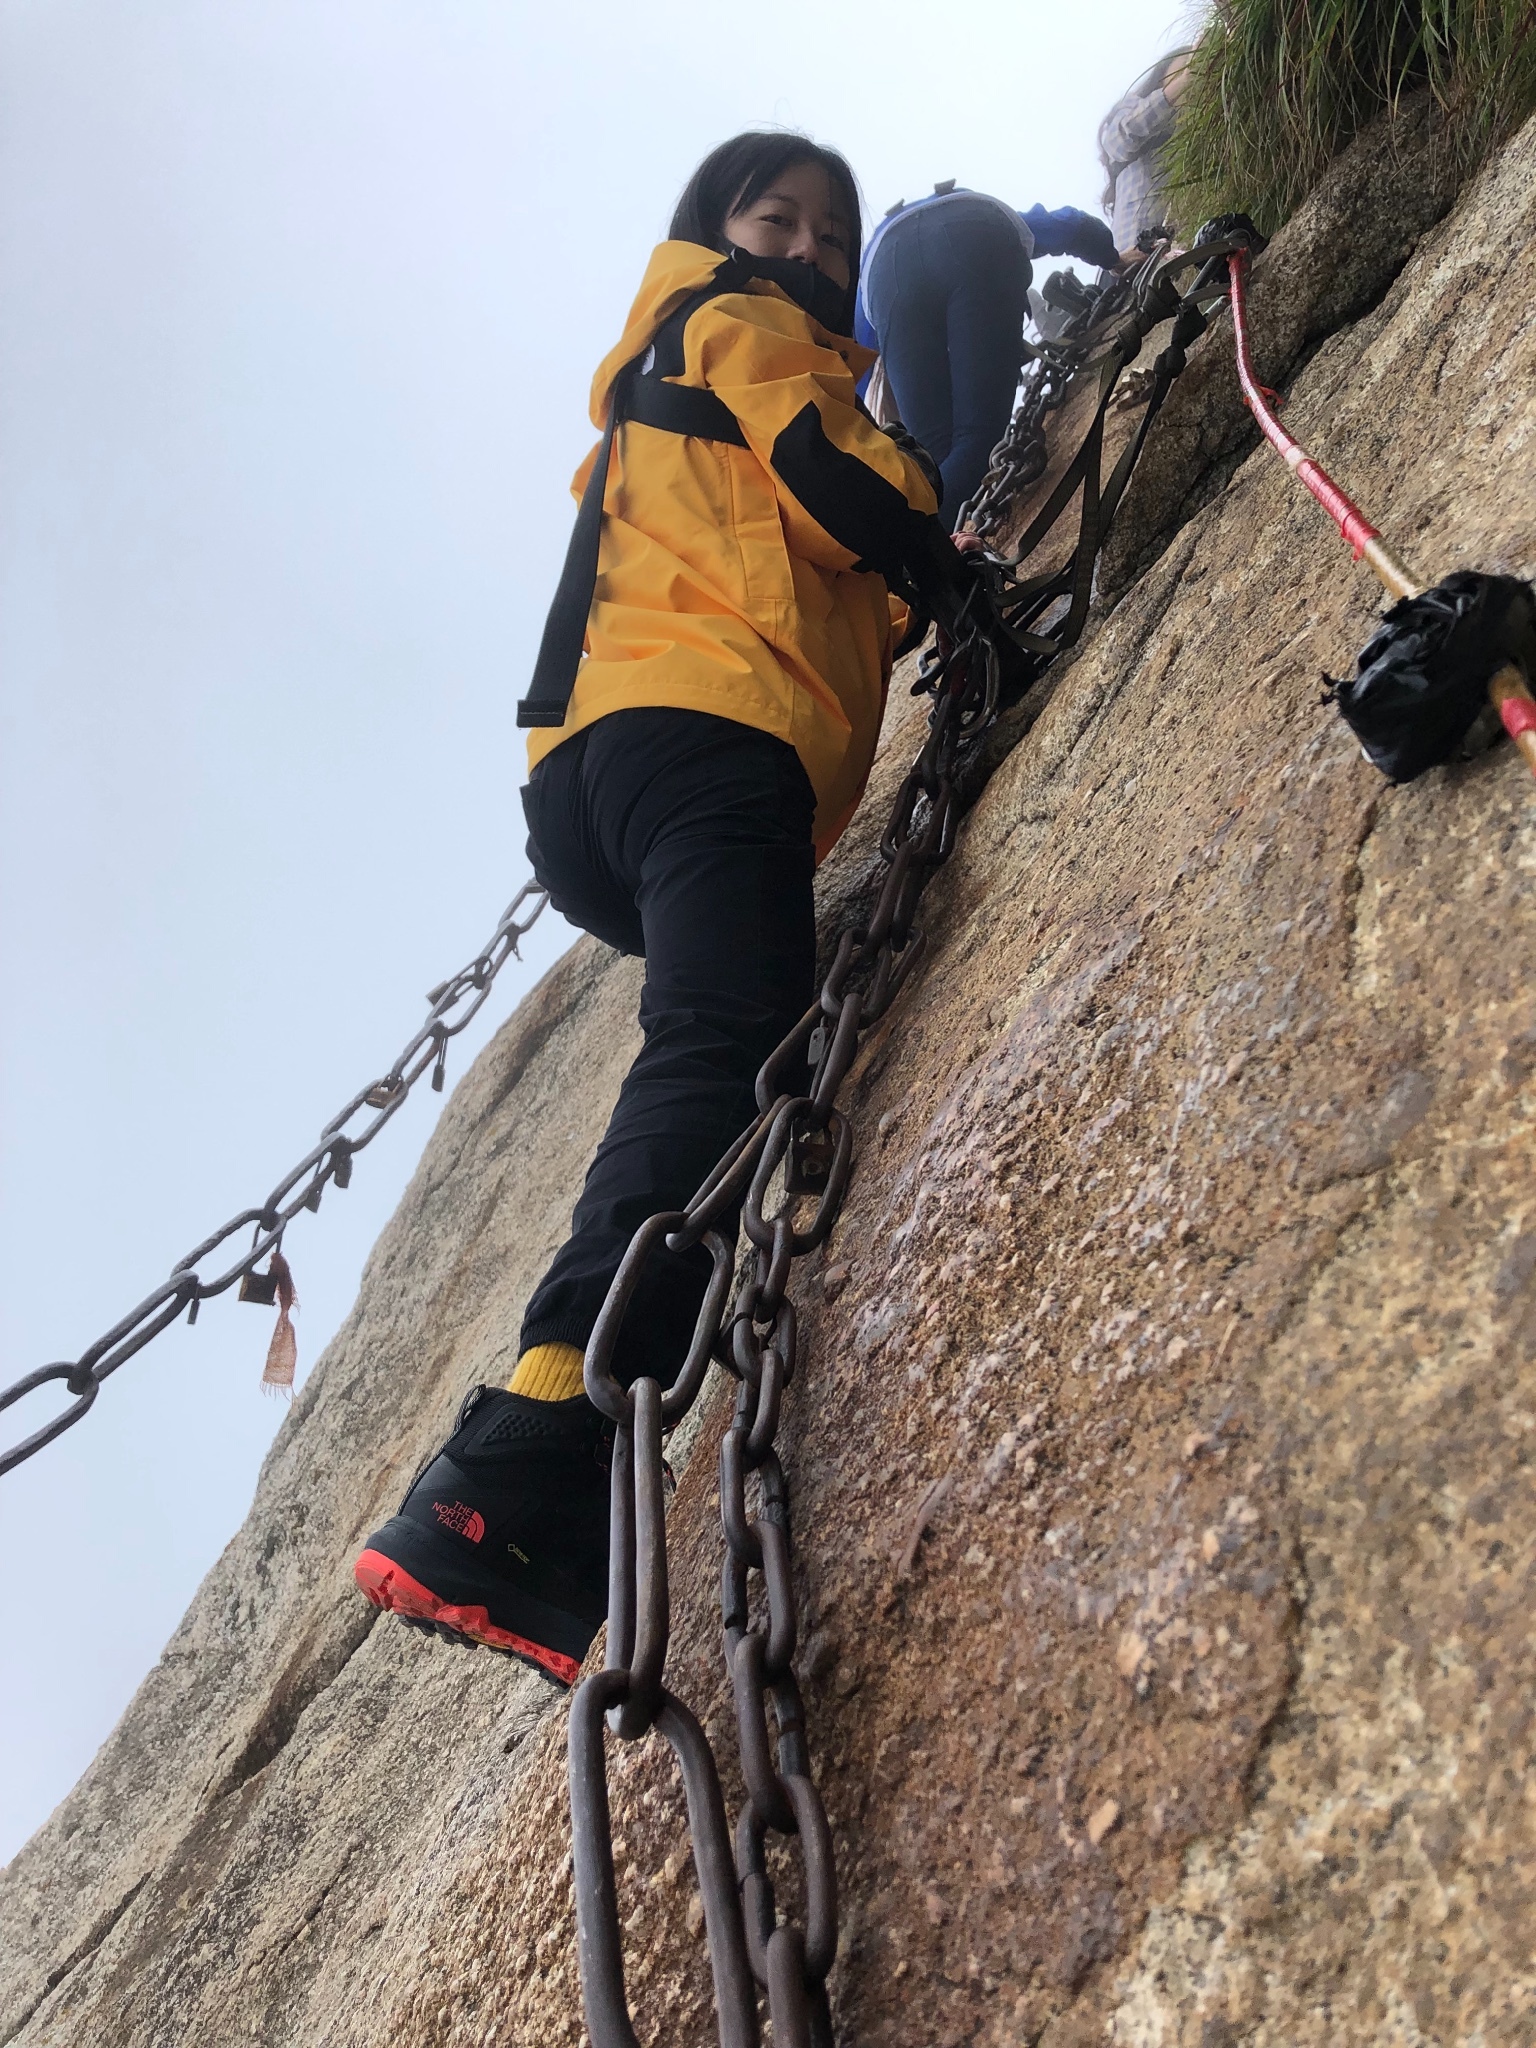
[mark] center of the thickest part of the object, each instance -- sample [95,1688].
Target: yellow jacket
[750,581]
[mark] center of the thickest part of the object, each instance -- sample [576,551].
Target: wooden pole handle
[1510,691]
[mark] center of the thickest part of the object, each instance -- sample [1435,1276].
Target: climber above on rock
[754,522]
[944,298]
[1133,137]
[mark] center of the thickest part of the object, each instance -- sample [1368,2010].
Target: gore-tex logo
[461,1520]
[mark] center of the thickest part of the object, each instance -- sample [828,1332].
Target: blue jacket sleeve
[1071,232]
[865,335]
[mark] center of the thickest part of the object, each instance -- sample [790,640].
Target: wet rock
[1207,1181]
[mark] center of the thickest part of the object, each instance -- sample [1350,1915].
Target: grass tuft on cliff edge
[1278,87]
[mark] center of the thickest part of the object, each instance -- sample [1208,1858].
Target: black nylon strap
[1075,471]
[1098,505]
[683,409]
[565,627]
[676,409]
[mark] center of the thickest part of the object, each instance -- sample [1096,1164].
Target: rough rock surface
[1328,266]
[1191,1239]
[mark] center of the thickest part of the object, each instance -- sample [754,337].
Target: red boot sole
[386,1585]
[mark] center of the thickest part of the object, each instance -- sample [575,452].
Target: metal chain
[454,1002]
[799,1129]
[1021,457]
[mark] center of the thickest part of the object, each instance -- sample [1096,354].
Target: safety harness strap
[683,409]
[565,627]
[1029,599]
[639,393]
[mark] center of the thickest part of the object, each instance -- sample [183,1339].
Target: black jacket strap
[565,629]
[683,409]
[639,393]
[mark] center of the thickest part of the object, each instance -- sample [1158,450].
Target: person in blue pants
[944,297]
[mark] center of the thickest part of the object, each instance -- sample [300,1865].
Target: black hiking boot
[503,1539]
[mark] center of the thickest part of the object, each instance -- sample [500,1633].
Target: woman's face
[802,217]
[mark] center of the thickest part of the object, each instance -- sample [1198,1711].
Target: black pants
[948,292]
[686,838]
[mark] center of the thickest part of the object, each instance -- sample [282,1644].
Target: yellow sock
[548,1372]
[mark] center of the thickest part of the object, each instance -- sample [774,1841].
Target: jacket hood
[677,269]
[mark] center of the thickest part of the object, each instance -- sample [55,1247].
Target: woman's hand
[910,446]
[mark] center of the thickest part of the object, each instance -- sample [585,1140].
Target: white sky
[298,307]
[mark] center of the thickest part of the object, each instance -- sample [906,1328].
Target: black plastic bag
[1422,678]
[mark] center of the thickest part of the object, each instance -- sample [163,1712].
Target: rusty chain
[798,1129]
[1021,457]
[453,1003]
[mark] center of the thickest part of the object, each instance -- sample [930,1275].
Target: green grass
[1278,88]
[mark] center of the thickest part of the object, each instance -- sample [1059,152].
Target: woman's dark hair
[741,171]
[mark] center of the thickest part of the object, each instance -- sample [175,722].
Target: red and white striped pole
[1508,690]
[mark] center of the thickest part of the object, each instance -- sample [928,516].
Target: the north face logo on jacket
[462,1520]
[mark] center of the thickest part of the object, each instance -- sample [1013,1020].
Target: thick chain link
[453,1004]
[1022,457]
[801,1134]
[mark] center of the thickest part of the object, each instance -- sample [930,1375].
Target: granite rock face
[1327,267]
[1191,1242]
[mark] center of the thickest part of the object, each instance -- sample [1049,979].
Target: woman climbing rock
[944,298]
[754,522]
